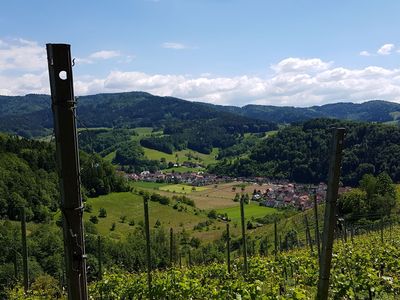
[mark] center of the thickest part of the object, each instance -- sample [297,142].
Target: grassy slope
[182,188]
[213,197]
[131,205]
[252,210]
[181,156]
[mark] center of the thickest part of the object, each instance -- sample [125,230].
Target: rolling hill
[30,115]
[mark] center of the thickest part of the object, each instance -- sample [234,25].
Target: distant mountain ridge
[370,111]
[30,115]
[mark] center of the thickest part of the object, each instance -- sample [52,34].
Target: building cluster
[290,195]
[299,196]
[192,178]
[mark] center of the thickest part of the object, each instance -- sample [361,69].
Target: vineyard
[362,268]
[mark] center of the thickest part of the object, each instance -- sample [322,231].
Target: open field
[182,169]
[131,205]
[252,210]
[148,185]
[207,197]
[182,188]
[221,196]
[182,156]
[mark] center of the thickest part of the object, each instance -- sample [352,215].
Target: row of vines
[364,269]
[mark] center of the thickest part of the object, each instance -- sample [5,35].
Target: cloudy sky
[234,52]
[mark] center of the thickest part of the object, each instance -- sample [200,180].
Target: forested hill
[30,115]
[28,178]
[301,153]
[370,111]
[135,109]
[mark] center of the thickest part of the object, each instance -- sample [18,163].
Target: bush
[88,208]
[212,214]
[94,219]
[102,212]
[113,225]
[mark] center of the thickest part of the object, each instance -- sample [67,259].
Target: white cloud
[292,64]
[19,54]
[105,54]
[365,53]
[295,81]
[291,81]
[172,45]
[385,49]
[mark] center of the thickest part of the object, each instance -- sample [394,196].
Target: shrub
[94,219]
[102,212]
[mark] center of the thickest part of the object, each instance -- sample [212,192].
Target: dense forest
[31,116]
[300,153]
[370,111]
[28,178]
[121,110]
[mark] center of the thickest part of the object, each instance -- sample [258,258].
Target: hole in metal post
[62,75]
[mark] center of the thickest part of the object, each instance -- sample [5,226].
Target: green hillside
[130,206]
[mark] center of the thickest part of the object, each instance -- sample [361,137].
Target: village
[267,192]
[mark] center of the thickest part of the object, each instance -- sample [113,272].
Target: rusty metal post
[63,106]
[330,213]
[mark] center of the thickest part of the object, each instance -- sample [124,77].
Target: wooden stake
[15,265]
[308,234]
[171,245]
[64,114]
[24,251]
[147,232]
[330,212]
[228,247]
[276,238]
[246,267]
[317,227]
[99,257]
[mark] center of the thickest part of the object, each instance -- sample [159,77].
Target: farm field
[222,195]
[207,197]
[131,205]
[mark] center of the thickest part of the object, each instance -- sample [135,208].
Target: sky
[229,52]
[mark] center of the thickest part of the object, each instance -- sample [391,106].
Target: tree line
[300,153]
[28,178]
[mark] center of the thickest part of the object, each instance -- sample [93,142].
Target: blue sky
[221,51]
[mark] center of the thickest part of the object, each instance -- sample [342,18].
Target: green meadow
[182,188]
[130,205]
[252,210]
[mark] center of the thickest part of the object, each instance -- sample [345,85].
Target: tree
[376,197]
[237,197]
[212,214]
[102,212]
[94,219]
